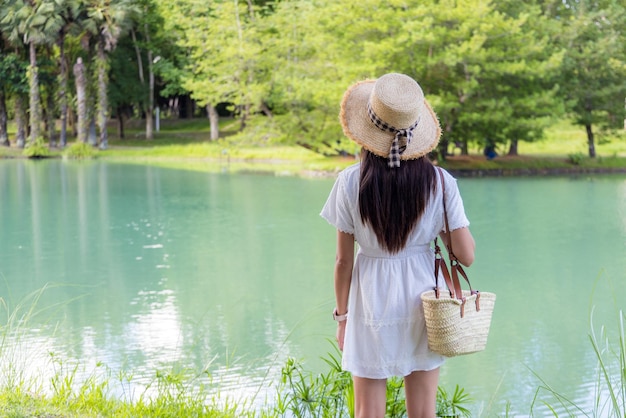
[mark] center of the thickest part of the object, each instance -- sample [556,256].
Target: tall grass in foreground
[298,394]
[610,384]
[64,387]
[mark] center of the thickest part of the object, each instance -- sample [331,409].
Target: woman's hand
[341,333]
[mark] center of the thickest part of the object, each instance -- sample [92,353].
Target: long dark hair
[392,200]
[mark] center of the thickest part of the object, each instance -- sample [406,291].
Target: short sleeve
[337,208]
[454,204]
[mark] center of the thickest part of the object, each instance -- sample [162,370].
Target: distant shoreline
[461,166]
[530,172]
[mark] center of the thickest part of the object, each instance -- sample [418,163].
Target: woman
[391,205]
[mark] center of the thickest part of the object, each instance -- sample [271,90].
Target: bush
[80,150]
[576,159]
[38,149]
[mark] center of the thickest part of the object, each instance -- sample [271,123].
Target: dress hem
[391,374]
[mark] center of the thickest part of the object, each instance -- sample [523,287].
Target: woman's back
[428,225]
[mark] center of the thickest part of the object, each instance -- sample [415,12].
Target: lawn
[185,144]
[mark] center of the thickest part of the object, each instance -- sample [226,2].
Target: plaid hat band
[396,149]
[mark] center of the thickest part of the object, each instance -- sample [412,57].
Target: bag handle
[451,277]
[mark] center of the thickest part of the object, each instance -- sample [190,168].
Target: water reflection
[156,330]
[154,270]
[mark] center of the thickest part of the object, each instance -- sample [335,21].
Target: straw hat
[390,117]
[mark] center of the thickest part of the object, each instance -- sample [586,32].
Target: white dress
[385,332]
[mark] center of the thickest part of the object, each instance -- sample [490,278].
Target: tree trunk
[4,134]
[63,77]
[81,100]
[266,110]
[120,122]
[20,122]
[138,53]
[463,146]
[150,104]
[590,142]
[443,149]
[71,121]
[214,119]
[185,107]
[35,105]
[150,112]
[245,115]
[50,122]
[513,147]
[445,142]
[102,95]
[92,136]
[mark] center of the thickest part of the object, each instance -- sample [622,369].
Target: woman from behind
[391,206]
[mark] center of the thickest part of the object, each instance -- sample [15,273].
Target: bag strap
[452,280]
[440,263]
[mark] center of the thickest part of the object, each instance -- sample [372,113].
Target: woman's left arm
[343,276]
[463,245]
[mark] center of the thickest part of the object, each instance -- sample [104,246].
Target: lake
[138,269]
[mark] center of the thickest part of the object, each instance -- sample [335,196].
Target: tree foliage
[594,65]
[496,72]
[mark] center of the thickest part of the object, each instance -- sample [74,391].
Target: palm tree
[81,100]
[69,12]
[4,134]
[106,21]
[33,22]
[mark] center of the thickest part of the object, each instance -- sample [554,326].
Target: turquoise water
[140,268]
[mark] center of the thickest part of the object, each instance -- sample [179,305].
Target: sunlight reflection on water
[153,273]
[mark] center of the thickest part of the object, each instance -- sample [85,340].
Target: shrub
[576,159]
[80,150]
[38,149]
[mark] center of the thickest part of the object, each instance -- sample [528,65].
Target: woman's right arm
[343,276]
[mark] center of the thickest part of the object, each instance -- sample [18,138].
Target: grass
[610,384]
[181,394]
[185,144]
[297,393]
[63,388]
[609,392]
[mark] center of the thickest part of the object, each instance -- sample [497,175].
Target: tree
[484,70]
[224,58]
[148,24]
[4,134]
[310,57]
[81,99]
[48,82]
[106,21]
[13,82]
[594,65]
[517,95]
[125,91]
[69,12]
[34,21]
[5,74]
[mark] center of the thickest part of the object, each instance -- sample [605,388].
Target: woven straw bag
[457,321]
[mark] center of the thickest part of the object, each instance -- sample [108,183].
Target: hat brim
[358,126]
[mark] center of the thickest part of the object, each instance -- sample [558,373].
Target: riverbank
[185,144]
[477,166]
[220,157]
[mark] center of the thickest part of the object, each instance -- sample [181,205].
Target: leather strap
[451,277]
